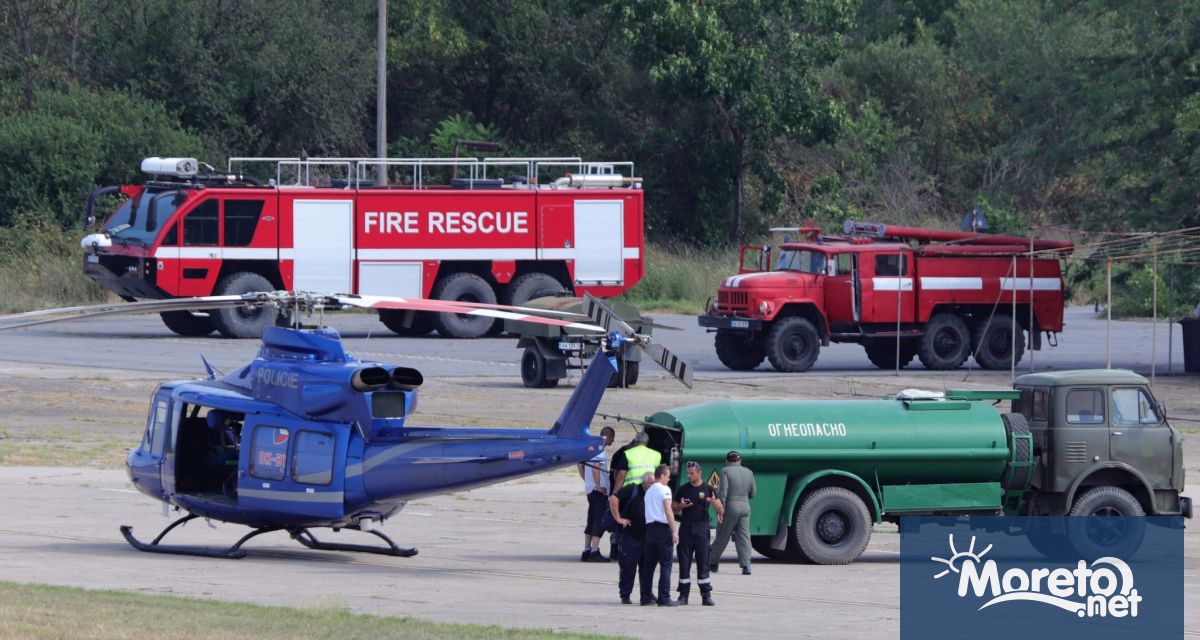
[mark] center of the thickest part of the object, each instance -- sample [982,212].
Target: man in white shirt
[595,484]
[661,538]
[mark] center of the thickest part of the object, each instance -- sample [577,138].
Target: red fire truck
[490,230]
[898,291]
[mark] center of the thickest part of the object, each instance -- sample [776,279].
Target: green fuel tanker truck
[1090,442]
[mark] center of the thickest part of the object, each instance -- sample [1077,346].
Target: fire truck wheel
[185,323]
[394,320]
[833,526]
[466,287]
[793,344]
[883,353]
[531,286]
[994,343]
[242,322]
[533,370]
[738,351]
[946,343]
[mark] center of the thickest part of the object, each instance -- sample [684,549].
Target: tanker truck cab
[1103,445]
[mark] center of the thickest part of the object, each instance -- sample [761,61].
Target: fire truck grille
[733,300]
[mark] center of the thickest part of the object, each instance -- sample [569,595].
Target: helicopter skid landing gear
[233,553]
[306,538]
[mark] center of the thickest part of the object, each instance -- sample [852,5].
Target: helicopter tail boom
[581,407]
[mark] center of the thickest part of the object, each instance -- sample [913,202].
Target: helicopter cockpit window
[313,462]
[268,453]
[158,430]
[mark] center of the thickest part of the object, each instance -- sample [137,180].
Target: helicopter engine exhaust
[369,379]
[405,379]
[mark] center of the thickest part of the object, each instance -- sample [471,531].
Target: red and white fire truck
[898,291]
[491,230]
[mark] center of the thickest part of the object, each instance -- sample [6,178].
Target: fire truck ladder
[469,172]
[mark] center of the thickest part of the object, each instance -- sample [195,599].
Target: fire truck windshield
[803,261]
[133,223]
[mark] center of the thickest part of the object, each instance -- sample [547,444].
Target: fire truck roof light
[177,167]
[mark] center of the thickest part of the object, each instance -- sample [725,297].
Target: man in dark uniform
[629,510]
[693,500]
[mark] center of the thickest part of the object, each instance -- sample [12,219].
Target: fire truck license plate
[93,258]
[739,324]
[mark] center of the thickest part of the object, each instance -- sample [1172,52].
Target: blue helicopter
[307,436]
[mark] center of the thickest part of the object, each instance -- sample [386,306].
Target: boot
[706,600]
[683,599]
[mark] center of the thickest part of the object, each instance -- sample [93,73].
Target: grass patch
[41,266]
[681,279]
[36,612]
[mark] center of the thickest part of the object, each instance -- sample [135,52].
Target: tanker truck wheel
[243,322]
[882,353]
[833,526]
[946,343]
[738,351]
[762,544]
[793,344]
[186,323]
[993,341]
[465,287]
[1106,536]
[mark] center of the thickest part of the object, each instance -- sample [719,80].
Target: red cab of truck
[901,292]
[497,230]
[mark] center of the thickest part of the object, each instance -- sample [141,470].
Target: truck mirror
[1162,410]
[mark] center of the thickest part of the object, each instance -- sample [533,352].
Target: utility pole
[381,94]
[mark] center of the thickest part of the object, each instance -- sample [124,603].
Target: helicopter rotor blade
[603,316]
[504,312]
[64,314]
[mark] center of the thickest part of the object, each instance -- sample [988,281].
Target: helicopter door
[146,467]
[293,467]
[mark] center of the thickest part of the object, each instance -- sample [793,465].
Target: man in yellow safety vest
[638,461]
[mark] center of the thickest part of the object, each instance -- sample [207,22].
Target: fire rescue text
[446,222]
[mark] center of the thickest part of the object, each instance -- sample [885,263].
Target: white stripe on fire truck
[248,253]
[930,283]
[736,281]
[892,284]
[1023,284]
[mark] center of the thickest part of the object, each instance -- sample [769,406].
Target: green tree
[755,63]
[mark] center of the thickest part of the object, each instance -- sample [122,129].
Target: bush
[72,141]
[40,268]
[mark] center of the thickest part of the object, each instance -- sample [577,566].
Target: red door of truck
[891,286]
[842,297]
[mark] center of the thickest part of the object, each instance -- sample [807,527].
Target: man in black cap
[693,500]
[736,490]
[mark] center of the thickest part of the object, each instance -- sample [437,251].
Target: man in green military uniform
[735,491]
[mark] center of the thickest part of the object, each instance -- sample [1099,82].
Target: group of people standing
[645,531]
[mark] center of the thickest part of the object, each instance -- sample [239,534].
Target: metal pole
[1032,328]
[381,94]
[1154,324]
[899,292]
[1170,326]
[1012,331]
[1108,324]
